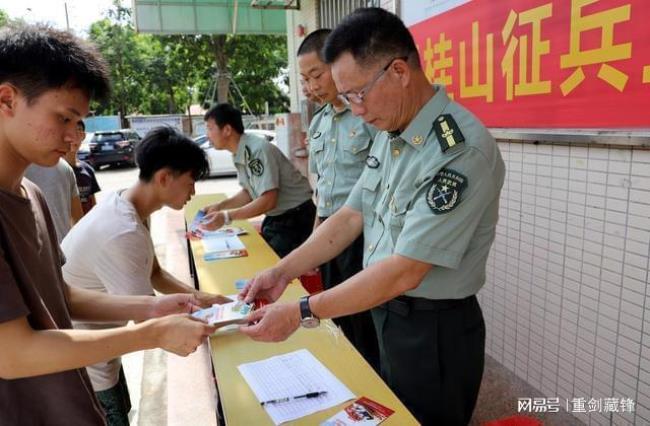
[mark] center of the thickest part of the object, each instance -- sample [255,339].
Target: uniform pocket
[398,206]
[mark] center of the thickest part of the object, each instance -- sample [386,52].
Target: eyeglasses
[358,97]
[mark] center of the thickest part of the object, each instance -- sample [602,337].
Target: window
[331,12]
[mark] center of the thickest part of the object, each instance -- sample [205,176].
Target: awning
[208,17]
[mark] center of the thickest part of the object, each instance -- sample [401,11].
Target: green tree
[4,18]
[154,74]
[118,42]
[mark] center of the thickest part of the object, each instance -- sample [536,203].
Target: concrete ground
[155,377]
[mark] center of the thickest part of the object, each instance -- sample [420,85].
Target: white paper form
[218,244]
[292,374]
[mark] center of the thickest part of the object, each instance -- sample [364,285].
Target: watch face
[310,322]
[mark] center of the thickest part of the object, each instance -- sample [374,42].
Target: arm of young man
[30,352]
[76,211]
[238,200]
[166,283]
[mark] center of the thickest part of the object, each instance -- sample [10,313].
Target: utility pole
[67,21]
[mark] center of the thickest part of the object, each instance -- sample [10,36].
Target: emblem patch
[372,162]
[445,192]
[448,133]
[256,167]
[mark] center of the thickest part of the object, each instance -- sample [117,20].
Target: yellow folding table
[240,406]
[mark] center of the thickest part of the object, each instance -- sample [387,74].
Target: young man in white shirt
[111,250]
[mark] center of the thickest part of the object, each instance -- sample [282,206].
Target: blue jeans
[116,402]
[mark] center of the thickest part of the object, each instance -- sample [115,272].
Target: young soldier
[111,250]
[427,203]
[339,143]
[47,79]
[271,185]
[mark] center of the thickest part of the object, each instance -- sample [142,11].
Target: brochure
[363,411]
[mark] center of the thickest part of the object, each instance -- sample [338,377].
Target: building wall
[307,17]
[567,290]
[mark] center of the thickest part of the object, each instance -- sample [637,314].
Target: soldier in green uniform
[271,185]
[427,203]
[339,143]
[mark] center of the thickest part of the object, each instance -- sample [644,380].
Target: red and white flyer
[363,411]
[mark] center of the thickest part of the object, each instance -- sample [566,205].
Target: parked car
[113,147]
[221,161]
[84,149]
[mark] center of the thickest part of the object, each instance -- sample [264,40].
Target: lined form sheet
[292,374]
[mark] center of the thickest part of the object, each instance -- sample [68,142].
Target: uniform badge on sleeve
[372,162]
[445,192]
[447,131]
[256,166]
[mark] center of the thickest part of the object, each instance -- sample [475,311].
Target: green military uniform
[261,167]
[431,194]
[339,143]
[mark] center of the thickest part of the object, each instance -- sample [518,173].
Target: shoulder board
[448,132]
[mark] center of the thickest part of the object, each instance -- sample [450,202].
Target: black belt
[295,210]
[404,304]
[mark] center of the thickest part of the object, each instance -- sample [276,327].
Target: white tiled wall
[565,301]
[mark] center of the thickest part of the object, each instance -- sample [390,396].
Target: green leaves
[154,74]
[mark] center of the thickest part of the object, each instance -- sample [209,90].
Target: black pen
[289,398]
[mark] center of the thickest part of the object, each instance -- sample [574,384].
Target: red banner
[543,63]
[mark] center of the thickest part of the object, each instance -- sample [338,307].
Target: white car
[221,163]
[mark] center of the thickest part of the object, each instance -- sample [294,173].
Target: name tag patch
[372,162]
[445,192]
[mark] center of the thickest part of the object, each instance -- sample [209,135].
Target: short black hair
[314,42]
[165,147]
[223,114]
[370,35]
[37,58]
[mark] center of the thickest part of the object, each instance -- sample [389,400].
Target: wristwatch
[307,318]
[226,217]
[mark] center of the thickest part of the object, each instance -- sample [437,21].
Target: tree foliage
[4,18]
[154,74]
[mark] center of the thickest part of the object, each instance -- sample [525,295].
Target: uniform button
[354,150]
[333,139]
[395,152]
[328,204]
[370,247]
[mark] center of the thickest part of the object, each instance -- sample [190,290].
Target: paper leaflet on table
[363,411]
[234,312]
[289,375]
[223,248]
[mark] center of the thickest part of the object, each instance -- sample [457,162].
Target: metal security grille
[330,12]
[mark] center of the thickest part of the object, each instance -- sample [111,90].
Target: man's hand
[268,284]
[211,208]
[180,334]
[213,221]
[206,300]
[180,303]
[273,323]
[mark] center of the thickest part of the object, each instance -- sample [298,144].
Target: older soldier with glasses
[427,203]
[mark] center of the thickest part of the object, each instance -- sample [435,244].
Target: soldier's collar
[420,127]
[239,157]
[329,109]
